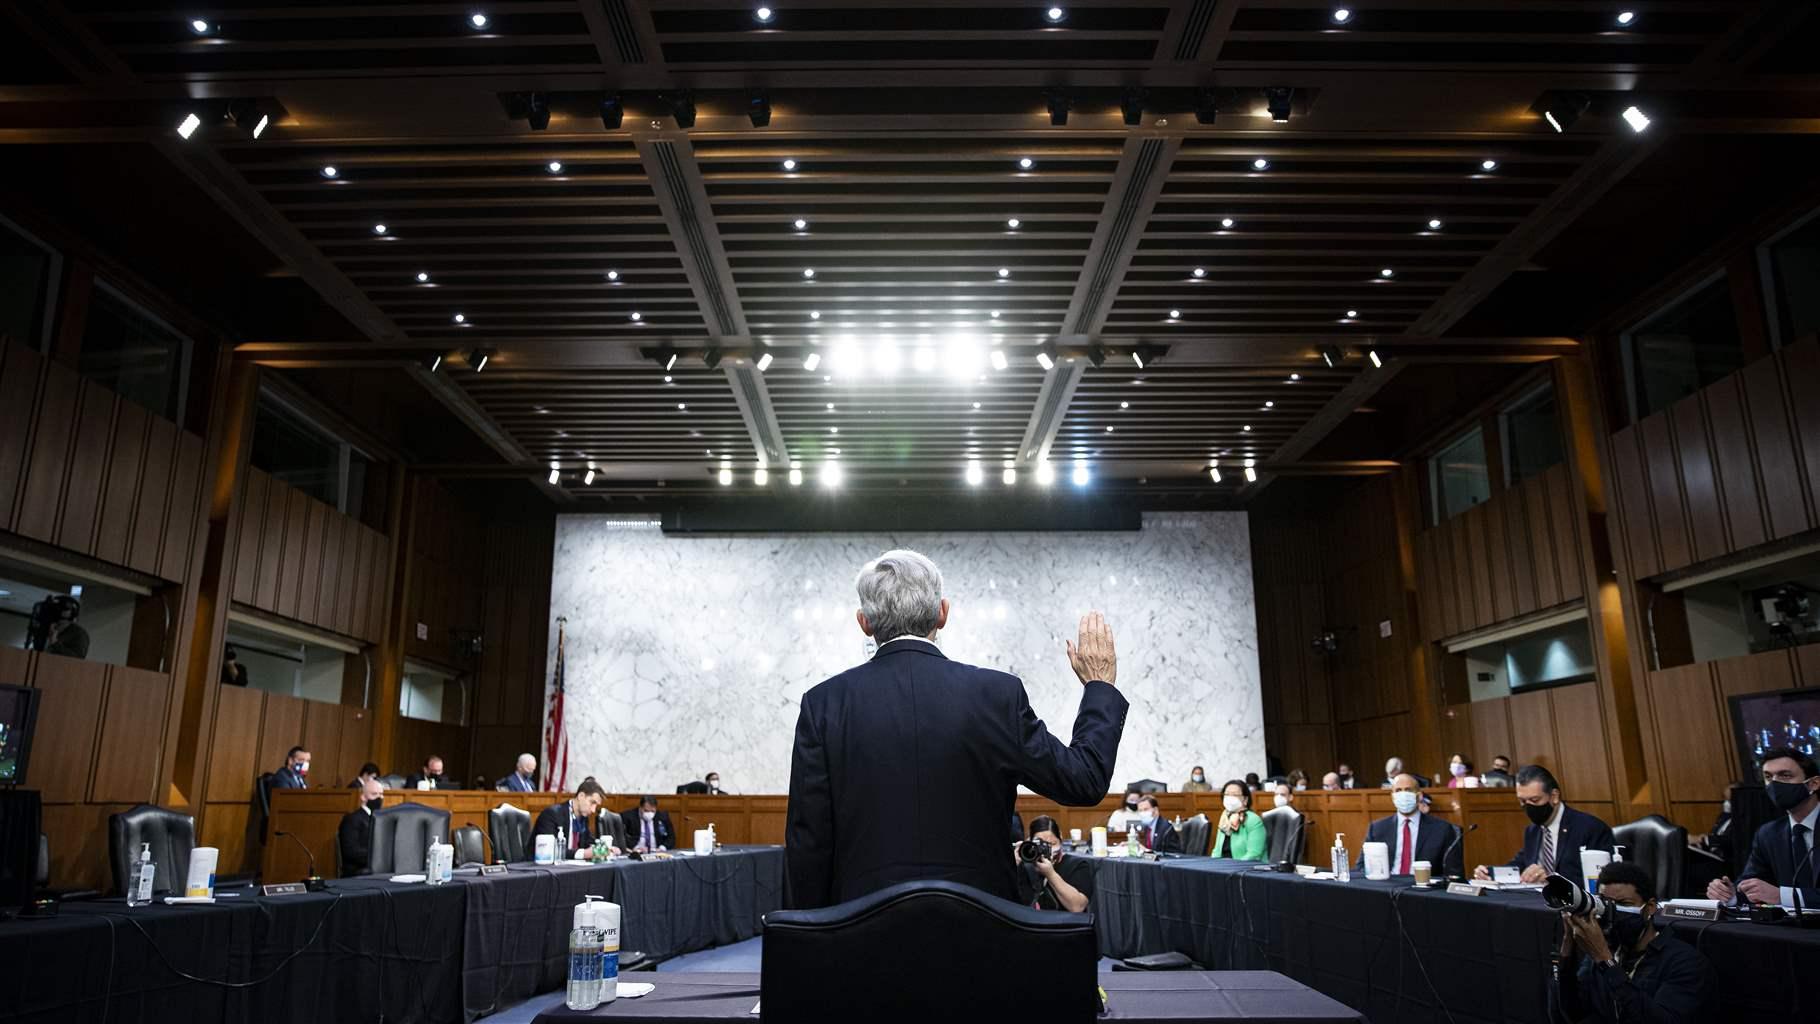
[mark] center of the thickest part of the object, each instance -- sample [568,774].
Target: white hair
[900,593]
[522,758]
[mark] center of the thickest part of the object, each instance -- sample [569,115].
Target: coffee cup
[1424,871]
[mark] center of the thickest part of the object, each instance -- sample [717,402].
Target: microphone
[314,882]
[1459,835]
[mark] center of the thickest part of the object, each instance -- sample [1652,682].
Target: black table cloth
[1260,997]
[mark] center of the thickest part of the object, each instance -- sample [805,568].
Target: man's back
[907,767]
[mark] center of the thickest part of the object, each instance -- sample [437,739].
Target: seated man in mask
[355,836]
[1053,882]
[1625,969]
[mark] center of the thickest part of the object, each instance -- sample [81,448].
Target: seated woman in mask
[1241,832]
[1197,781]
[1127,814]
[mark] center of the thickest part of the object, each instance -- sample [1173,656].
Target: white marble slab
[689,654]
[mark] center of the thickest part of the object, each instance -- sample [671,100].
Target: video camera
[1563,895]
[1032,850]
[47,613]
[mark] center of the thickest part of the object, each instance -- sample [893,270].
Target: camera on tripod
[47,613]
[1032,850]
[1563,895]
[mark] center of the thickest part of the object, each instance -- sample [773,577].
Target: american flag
[555,740]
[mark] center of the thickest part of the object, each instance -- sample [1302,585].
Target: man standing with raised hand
[907,767]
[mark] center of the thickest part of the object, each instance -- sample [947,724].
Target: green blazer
[1248,843]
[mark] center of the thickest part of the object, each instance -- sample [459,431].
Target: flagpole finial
[562,618]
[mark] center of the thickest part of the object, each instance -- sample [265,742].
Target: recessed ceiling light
[1341,15]
[1004,271]
[1387,272]
[830,406]
[1013,223]
[668,379]
[461,318]
[796,476]
[1175,314]
[763,14]
[478,19]
[682,407]
[1260,164]
[994,314]
[808,272]
[1124,405]
[1246,428]
[423,277]
[999,362]
[555,166]
[831,474]
[1434,223]
[974,475]
[379,229]
[330,171]
[1352,314]
[1295,377]
[1080,475]
[1055,14]
[612,275]
[815,314]
[811,361]
[200,27]
[637,316]
[976,408]
[187,127]
[1270,405]
[1488,165]
[1026,163]
[1637,119]
[789,165]
[725,476]
[800,224]
[1108,430]
[1626,17]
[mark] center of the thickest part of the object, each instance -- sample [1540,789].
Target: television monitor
[1783,718]
[18,713]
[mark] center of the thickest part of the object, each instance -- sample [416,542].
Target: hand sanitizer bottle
[1342,861]
[139,892]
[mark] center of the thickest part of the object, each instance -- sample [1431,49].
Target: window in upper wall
[134,354]
[28,283]
[1682,348]
[1791,279]
[1457,476]
[265,659]
[46,608]
[431,695]
[293,448]
[1531,433]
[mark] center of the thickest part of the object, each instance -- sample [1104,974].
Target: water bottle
[585,965]
[429,860]
[1342,861]
[139,891]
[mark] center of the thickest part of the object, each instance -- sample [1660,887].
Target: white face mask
[1282,801]
[303,767]
[1198,777]
[1727,806]
[1405,801]
[1300,786]
[648,815]
[713,783]
[1147,817]
[1234,804]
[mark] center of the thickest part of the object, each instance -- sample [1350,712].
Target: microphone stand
[1459,836]
[314,882]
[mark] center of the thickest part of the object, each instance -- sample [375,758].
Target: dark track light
[1279,102]
[710,358]
[612,111]
[1059,105]
[1331,355]
[537,111]
[1096,355]
[682,107]
[248,117]
[1132,105]
[758,108]
[1144,355]
[665,357]
[1563,109]
[1206,106]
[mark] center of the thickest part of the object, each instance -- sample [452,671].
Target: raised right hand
[1094,658]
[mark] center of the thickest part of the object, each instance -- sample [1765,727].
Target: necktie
[1548,851]
[649,845]
[1798,846]
[1403,867]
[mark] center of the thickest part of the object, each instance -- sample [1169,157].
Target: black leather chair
[392,781]
[510,829]
[1147,786]
[1197,836]
[171,835]
[402,835]
[262,802]
[41,871]
[696,788]
[1659,846]
[1284,830]
[470,846]
[996,959]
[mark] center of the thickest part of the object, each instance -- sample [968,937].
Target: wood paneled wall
[302,560]
[1562,729]
[1517,553]
[1731,467]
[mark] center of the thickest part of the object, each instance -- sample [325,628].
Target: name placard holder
[283,889]
[1677,913]
[1465,889]
[492,869]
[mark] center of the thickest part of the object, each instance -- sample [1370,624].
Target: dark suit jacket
[1772,859]
[287,778]
[1579,831]
[411,781]
[907,768]
[355,837]
[666,836]
[1433,837]
[580,831]
[515,783]
[1166,839]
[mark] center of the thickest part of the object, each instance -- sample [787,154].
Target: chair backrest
[1147,786]
[262,803]
[510,829]
[172,836]
[1197,836]
[470,846]
[392,781]
[695,788]
[1658,845]
[846,961]
[1283,830]
[402,835]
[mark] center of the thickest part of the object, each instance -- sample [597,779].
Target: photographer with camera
[53,628]
[1048,879]
[1614,964]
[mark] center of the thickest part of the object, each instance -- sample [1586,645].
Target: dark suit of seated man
[355,836]
[1156,832]
[1412,835]
[1623,969]
[647,828]
[295,772]
[911,737]
[523,778]
[574,820]
[1556,834]
[432,773]
[1782,865]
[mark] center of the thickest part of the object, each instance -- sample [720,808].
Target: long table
[368,949]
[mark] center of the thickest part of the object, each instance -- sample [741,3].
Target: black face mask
[376,803]
[1625,930]
[1788,795]
[1345,775]
[1539,813]
[1131,805]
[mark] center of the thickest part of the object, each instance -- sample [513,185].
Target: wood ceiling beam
[483,425]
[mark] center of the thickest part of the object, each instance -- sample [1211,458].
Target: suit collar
[903,644]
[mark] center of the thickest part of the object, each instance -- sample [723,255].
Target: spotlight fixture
[1009,476]
[1096,355]
[187,127]
[831,474]
[1251,475]
[725,476]
[1131,104]
[1227,223]
[1144,355]
[1198,272]
[423,277]
[1330,355]
[1626,18]
[811,361]
[1372,354]
[789,165]
[1260,164]
[1434,223]
[760,477]
[1045,355]
[478,358]
[1059,104]
[815,314]
[764,14]
[1387,272]
[993,314]
[379,229]
[1342,15]
[477,20]
[1206,106]
[1080,476]
[1214,472]
[1025,163]
[999,361]
[682,107]
[636,317]
[1056,15]
[331,172]
[1352,314]
[1564,109]
[758,108]
[666,358]
[1013,223]
[1004,272]
[435,362]
[1174,314]
[796,475]
[588,480]
[975,476]
[247,116]
[1246,429]
[1488,166]
[554,166]
[800,224]
[1045,473]
[612,111]
[808,273]
[555,476]
[764,362]
[613,276]
[1294,377]
[1637,119]
[461,318]
[1278,102]
[537,111]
